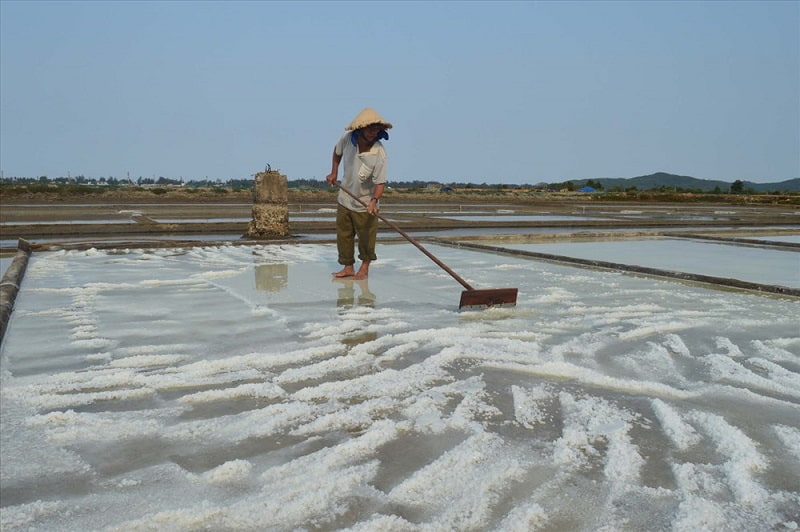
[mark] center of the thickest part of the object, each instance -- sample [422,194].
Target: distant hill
[663,179]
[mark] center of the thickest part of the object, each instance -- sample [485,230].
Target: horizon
[520,92]
[135,181]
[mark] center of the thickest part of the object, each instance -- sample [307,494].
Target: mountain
[663,179]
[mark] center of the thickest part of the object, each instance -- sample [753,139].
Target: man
[361,151]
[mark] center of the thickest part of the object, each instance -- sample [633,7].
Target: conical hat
[367,117]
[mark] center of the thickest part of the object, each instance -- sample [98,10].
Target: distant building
[586,189]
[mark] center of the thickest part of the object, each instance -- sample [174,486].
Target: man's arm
[335,160]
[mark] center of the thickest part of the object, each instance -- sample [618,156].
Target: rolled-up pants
[352,224]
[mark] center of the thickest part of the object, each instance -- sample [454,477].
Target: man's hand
[372,207]
[331,179]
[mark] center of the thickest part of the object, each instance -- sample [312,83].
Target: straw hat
[367,117]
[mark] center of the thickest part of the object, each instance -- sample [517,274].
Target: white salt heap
[239,388]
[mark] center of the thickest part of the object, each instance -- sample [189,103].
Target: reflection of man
[347,295]
[347,300]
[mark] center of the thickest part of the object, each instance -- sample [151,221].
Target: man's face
[371,132]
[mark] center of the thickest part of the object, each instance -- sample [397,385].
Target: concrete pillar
[270,206]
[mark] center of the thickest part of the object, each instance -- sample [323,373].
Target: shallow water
[199,220]
[7,226]
[795,239]
[720,259]
[517,218]
[5,262]
[241,388]
[467,231]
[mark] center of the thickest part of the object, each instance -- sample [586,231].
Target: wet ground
[236,386]
[228,221]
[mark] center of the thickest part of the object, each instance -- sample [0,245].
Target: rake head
[497,297]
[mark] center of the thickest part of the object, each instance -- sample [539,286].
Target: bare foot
[347,271]
[363,271]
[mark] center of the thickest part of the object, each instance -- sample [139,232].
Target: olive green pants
[352,224]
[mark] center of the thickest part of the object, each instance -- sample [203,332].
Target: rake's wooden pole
[470,298]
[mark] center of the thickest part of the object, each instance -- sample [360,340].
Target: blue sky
[495,92]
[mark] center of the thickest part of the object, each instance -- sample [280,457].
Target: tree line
[737,187]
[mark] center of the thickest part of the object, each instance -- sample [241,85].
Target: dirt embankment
[19,194]
[123,196]
[12,195]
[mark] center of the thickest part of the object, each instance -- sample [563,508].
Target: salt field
[200,220]
[759,265]
[241,388]
[9,226]
[516,218]
[794,239]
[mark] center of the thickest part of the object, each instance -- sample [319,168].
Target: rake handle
[430,255]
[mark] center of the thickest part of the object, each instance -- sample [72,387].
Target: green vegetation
[667,187]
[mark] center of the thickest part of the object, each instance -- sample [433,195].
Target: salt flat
[240,388]
[720,259]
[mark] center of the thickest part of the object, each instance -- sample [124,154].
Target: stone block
[270,187]
[270,206]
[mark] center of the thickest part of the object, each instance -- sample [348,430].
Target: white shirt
[362,171]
